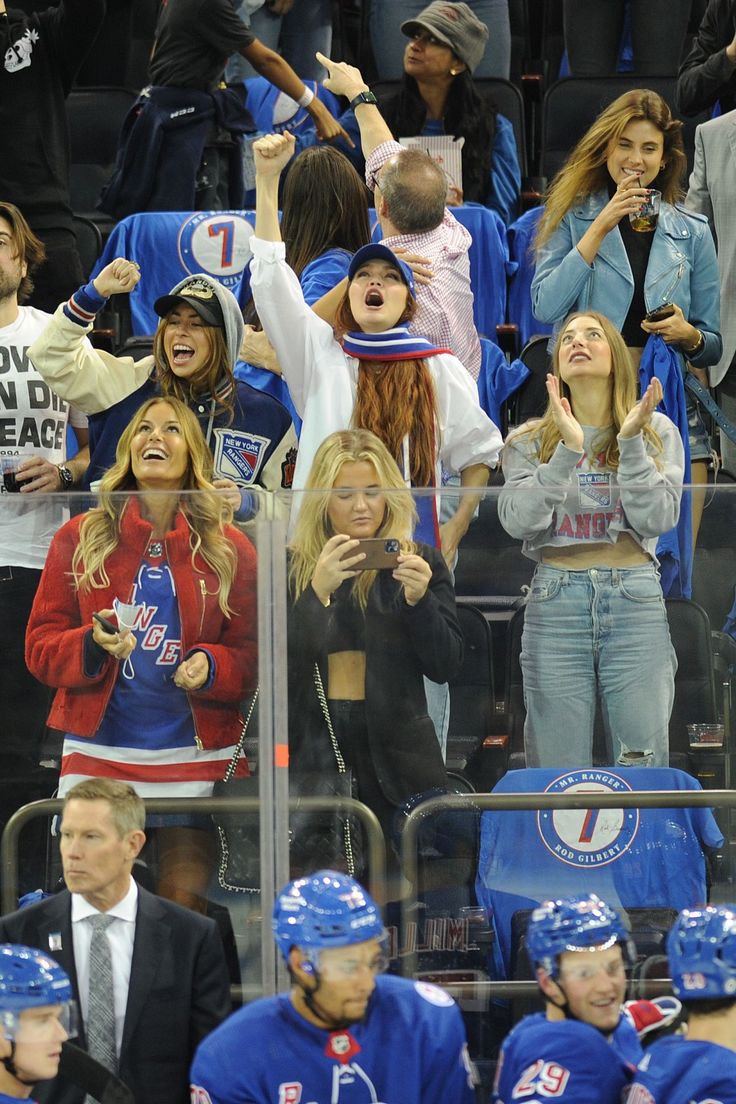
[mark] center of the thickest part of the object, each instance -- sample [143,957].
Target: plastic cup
[10,465]
[645,219]
[705,735]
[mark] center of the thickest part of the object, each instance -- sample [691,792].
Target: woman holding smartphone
[360,641]
[589,256]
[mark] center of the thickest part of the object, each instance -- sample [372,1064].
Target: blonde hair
[127,811]
[543,432]
[313,528]
[206,512]
[585,170]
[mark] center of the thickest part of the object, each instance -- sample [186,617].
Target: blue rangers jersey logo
[238,455]
[588,837]
[217,243]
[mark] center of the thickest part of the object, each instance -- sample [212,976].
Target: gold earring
[454,72]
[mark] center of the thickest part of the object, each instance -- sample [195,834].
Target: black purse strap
[341,768]
[347,833]
[233,764]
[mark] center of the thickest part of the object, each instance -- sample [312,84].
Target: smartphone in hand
[666,310]
[381,554]
[107,626]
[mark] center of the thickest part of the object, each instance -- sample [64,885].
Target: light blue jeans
[296,36]
[389,43]
[601,632]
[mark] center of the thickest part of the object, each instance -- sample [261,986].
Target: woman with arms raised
[589,488]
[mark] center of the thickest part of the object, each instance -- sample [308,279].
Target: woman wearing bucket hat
[377,375]
[388,18]
[195,348]
[437,96]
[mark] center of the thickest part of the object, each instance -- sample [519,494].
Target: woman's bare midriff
[578,557]
[346,676]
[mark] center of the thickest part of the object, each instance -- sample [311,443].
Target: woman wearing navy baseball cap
[369,372]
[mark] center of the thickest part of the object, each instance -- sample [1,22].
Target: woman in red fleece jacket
[154,700]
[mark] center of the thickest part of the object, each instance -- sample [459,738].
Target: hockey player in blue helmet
[700,1066]
[345,1032]
[581,1048]
[37,1014]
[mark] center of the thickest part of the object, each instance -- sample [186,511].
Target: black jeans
[593,35]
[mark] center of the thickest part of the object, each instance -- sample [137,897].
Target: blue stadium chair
[520,238]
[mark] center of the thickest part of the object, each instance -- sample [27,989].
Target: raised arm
[88,378]
[346,80]
[300,339]
[273,67]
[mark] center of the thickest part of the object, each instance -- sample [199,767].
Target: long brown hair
[213,378]
[206,512]
[313,529]
[322,180]
[543,432]
[585,170]
[396,399]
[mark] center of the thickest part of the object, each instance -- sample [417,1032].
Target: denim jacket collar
[667,257]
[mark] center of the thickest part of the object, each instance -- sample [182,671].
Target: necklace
[156,548]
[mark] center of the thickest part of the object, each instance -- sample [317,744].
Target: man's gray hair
[415,189]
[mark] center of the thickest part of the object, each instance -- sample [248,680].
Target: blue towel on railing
[498,379]
[674,549]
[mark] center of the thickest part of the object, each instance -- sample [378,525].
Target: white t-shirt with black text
[33,422]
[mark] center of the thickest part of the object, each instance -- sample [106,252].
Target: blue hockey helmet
[701,948]
[30,979]
[579,923]
[326,909]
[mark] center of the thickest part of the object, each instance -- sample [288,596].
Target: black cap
[198,294]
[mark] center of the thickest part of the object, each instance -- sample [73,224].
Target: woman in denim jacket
[589,257]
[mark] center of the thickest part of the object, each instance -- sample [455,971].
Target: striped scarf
[395,344]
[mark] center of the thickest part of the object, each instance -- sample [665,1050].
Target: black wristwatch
[361,98]
[66,477]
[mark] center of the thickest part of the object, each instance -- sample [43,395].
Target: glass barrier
[353,689]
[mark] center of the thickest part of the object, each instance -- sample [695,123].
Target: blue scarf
[400,344]
[395,344]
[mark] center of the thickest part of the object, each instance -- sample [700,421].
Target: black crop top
[638,246]
[346,631]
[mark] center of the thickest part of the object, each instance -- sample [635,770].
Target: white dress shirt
[121,934]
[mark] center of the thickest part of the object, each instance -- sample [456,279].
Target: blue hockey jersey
[633,858]
[676,1070]
[565,1060]
[409,1049]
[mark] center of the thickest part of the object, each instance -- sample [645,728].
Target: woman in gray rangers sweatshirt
[589,488]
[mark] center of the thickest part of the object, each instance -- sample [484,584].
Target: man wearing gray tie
[150,976]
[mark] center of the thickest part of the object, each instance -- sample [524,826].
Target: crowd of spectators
[130,612]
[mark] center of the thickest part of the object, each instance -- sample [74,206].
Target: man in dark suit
[169,978]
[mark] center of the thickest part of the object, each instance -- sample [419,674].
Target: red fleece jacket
[61,618]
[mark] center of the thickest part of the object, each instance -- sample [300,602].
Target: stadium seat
[572,104]
[472,691]
[505,95]
[95,118]
[89,242]
[520,236]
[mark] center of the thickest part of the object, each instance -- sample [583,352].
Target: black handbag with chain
[318,839]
